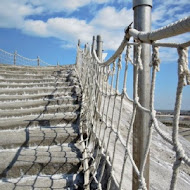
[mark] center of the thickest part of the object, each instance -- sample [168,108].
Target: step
[31,85]
[37,120]
[26,103]
[30,76]
[46,182]
[42,80]
[43,96]
[42,72]
[32,68]
[57,159]
[33,110]
[17,91]
[38,136]
[30,81]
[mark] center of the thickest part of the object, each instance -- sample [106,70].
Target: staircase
[39,128]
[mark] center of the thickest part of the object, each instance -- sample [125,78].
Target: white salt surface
[161,154]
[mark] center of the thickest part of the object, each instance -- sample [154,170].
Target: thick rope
[179,27]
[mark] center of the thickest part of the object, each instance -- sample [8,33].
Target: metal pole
[79,42]
[99,47]
[77,57]
[15,54]
[142,22]
[38,60]
[93,43]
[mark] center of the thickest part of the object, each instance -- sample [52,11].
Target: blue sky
[50,29]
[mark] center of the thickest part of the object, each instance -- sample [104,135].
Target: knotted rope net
[108,114]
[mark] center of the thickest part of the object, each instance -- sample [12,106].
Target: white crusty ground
[161,154]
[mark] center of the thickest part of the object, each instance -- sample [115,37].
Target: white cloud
[166,12]
[53,6]
[108,22]
[36,28]
[110,18]
[72,29]
[13,13]
[59,5]
[67,29]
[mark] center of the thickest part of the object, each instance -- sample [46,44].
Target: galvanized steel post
[142,22]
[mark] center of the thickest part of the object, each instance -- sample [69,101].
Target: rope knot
[179,151]
[138,60]
[119,65]
[127,55]
[155,58]
[153,113]
[142,184]
[183,69]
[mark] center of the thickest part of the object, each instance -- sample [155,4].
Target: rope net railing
[16,59]
[108,114]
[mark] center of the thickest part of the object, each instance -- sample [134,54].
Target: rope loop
[180,153]
[127,56]
[119,65]
[183,69]
[138,60]
[155,58]
[142,184]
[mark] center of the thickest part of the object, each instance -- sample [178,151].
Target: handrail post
[142,22]
[77,57]
[79,43]
[38,60]
[93,44]
[15,54]
[99,47]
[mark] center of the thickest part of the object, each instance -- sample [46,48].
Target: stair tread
[34,80]
[39,154]
[39,117]
[35,84]
[57,181]
[26,71]
[39,135]
[44,96]
[40,104]
[65,158]
[46,68]
[34,89]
